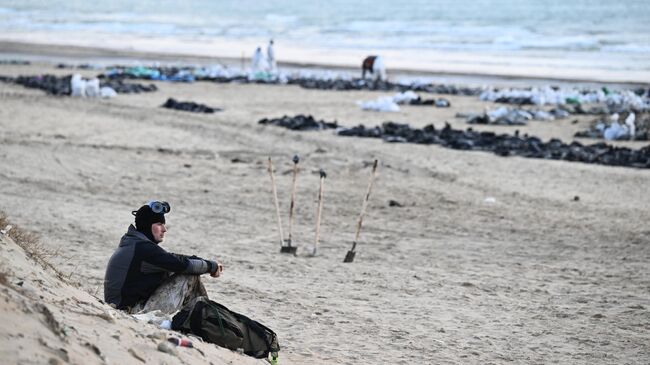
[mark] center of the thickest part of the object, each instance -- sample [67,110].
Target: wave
[379,29]
[628,48]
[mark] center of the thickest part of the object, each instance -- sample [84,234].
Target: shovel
[323,175]
[288,248]
[349,257]
[277,205]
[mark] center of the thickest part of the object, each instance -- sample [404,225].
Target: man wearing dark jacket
[139,266]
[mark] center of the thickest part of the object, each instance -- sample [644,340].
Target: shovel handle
[365,203]
[320,209]
[277,205]
[293,195]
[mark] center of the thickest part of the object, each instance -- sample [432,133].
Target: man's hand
[218,271]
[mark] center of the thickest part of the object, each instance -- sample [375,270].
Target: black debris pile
[513,116]
[122,87]
[506,145]
[352,84]
[176,74]
[339,84]
[190,74]
[378,85]
[229,79]
[510,119]
[300,123]
[451,89]
[15,62]
[55,85]
[558,113]
[577,108]
[189,106]
[440,102]
[349,84]
[593,132]
[517,100]
[83,66]
[471,140]
[51,84]
[591,110]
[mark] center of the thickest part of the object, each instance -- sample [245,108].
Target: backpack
[217,324]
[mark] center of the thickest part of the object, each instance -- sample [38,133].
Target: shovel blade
[288,249]
[349,257]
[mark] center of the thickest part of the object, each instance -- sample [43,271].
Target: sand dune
[47,319]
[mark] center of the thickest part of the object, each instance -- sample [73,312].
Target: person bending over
[139,268]
[374,65]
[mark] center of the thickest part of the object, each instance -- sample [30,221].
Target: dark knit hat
[145,217]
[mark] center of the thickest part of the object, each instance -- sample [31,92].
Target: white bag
[78,86]
[92,88]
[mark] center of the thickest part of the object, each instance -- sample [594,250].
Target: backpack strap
[179,320]
[216,310]
[196,318]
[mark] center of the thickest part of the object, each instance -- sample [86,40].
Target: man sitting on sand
[375,66]
[140,274]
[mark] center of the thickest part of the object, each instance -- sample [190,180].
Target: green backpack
[217,324]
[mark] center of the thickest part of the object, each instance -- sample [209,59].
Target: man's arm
[215,268]
[156,259]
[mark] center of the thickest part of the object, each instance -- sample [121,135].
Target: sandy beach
[485,260]
[558,66]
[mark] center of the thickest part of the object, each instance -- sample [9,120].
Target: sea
[551,37]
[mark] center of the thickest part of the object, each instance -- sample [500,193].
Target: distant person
[375,66]
[139,265]
[270,57]
[257,62]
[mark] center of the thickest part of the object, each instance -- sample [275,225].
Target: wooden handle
[277,205]
[365,203]
[320,209]
[293,195]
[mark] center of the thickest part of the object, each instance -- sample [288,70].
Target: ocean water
[589,28]
[476,25]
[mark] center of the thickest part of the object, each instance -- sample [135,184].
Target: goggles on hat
[159,207]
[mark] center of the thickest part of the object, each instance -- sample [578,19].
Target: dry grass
[4,280]
[30,242]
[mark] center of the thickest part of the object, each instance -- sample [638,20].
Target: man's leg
[174,293]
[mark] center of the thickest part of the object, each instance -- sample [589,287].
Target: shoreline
[115,53]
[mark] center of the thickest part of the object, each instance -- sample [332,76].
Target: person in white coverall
[257,62]
[270,57]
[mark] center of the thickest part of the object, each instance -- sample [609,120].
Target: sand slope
[47,320]
[534,277]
